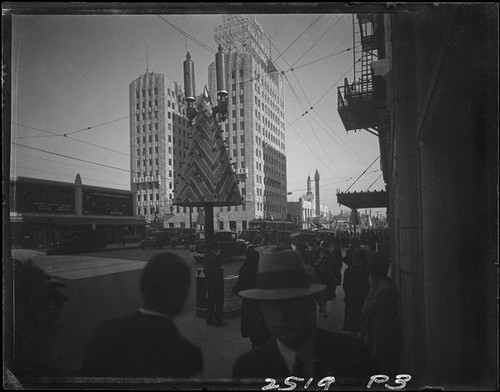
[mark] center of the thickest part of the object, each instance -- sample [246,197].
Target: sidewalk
[221,346]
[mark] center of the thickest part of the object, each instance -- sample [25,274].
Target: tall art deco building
[254,133]
[159,139]
[255,129]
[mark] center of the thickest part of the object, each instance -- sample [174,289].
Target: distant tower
[316,181]
[308,185]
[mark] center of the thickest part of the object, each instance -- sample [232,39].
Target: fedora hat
[282,275]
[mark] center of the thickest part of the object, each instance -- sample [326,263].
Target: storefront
[41,211]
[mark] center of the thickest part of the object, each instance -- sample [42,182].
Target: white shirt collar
[154,313]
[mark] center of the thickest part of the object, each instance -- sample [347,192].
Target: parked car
[226,241]
[159,239]
[80,241]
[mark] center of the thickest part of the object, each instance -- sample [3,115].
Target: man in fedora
[297,347]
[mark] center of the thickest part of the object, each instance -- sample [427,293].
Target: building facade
[42,211]
[159,141]
[254,131]
[431,94]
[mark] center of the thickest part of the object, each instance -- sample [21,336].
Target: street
[231,267]
[116,260]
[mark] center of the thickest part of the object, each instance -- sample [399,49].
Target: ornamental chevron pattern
[208,177]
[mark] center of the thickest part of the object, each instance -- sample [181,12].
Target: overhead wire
[330,183]
[375,181]
[312,129]
[76,159]
[296,39]
[319,39]
[52,134]
[318,60]
[97,125]
[371,164]
[194,39]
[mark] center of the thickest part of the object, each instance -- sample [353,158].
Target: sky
[71,76]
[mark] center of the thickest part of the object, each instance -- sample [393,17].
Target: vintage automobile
[251,236]
[158,239]
[80,241]
[226,241]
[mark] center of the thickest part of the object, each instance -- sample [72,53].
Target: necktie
[298,367]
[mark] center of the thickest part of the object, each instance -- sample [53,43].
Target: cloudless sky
[72,72]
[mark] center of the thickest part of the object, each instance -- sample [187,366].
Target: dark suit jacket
[141,346]
[337,354]
[214,274]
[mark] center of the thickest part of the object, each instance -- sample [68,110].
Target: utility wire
[317,60]
[76,159]
[314,132]
[296,39]
[194,39]
[320,38]
[374,181]
[323,96]
[52,134]
[371,164]
[98,125]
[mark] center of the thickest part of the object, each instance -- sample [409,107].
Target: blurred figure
[253,325]
[214,280]
[335,261]
[147,343]
[347,259]
[325,273]
[38,302]
[356,289]
[381,317]
[298,347]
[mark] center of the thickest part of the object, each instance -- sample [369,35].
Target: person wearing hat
[297,346]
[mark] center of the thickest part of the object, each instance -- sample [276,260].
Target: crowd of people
[282,292]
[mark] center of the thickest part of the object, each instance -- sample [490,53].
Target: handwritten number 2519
[324,382]
[401,380]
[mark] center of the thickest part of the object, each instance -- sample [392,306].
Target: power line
[320,38]
[317,60]
[344,146]
[296,39]
[310,125]
[68,137]
[371,164]
[95,126]
[374,181]
[76,159]
[323,96]
[186,35]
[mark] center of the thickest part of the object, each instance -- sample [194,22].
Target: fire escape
[360,101]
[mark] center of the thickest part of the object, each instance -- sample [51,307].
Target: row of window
[149,162]
[149,138]
[149,150]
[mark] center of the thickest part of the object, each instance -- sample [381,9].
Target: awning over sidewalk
[358,200]
[81,221]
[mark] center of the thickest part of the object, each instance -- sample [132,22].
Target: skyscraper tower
[255,129]
[309,185]
[159,139]
[316,193]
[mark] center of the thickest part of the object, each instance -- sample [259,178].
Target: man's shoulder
[341,343]
[261,351]
[251,363]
